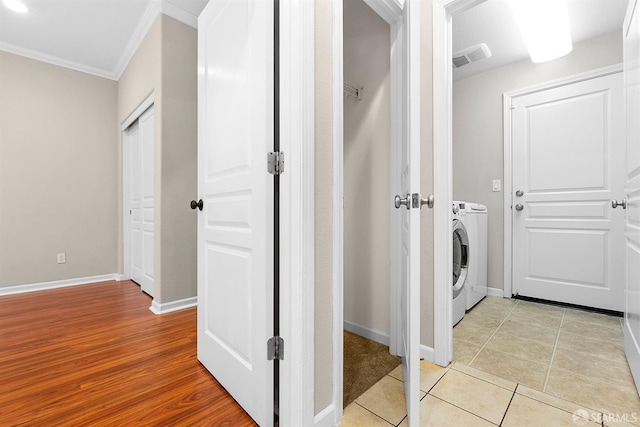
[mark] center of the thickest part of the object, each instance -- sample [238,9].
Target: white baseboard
[427,353]
[121,277]
[32,287]
[495,292]
[369,333]
[168,307]
[326,417]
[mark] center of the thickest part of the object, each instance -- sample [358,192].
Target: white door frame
[508,170]
[390,11]
[297,188]
[126,183]
[443,11]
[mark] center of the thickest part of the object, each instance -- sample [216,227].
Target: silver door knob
[429,201]
[519,193]
[418,201]
[399,201]
[615,203]
[519,207]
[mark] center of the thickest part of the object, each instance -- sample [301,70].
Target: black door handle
[199,204]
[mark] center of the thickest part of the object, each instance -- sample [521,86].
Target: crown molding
[144,25]
[179,14]
[54,60]
[154,8]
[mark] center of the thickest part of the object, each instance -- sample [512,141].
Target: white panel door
[409,255]
[631,193]
[568,148]
[235,230]
[140,161]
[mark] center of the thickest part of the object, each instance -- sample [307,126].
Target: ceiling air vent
[471,54]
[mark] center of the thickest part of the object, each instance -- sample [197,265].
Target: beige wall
[166,64]
[58,172]
[323,366]
[141,78]
[366,168]
[478,135]
[179,159]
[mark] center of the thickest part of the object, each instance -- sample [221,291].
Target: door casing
[443,11]
[391,11]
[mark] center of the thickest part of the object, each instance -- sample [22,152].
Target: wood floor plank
[94,355]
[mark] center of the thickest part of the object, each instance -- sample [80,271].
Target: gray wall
[58,172]
[366,168]
[478,128]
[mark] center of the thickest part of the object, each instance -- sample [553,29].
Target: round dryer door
[460,256]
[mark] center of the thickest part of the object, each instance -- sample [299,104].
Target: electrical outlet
[496,185]
[62,258]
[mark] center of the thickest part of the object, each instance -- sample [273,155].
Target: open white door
[631,202]
[235,227]
[408,203]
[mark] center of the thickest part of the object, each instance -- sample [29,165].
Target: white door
[235,230]
[408,206]
[631,33]
[568,145]
[139,159]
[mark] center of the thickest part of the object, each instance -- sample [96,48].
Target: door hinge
[275,162]
[275,348]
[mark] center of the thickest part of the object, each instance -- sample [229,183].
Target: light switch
[496,185]
[62,258]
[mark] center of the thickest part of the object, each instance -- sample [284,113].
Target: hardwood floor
[94,355]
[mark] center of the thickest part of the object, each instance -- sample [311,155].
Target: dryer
[476,221]
[460,261]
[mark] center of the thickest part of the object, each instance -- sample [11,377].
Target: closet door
[140,163]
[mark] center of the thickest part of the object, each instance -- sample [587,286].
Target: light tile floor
[517,364]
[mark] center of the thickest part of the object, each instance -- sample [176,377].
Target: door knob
[399,201]
[429,201]
[417,201]
[519,193]
[199,204]
[615,204]
[519,207]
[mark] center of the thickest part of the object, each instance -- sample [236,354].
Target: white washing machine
[476,221]
[460,261]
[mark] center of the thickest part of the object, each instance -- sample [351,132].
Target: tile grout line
[382,418]
[494,332]
[553,355]
[508,406]
[466,410]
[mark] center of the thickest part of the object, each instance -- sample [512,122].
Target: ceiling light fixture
[16,6]
[544,25]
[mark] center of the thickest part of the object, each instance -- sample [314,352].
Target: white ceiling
[100,36]
[95,36]
[492,23]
